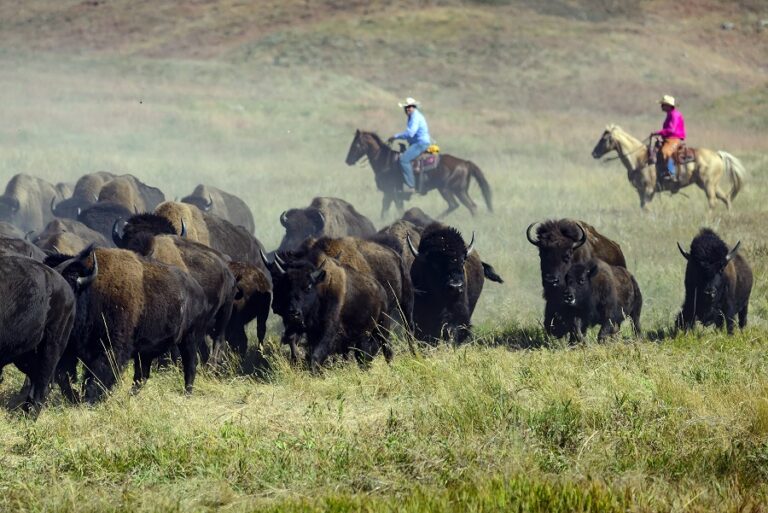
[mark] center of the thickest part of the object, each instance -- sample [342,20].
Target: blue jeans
[413,151]
[671,166]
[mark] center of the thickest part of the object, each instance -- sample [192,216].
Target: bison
[562,243]
[85,194]
[101,217]
[25,202]
[447,278]
[325,217]
[599,293]
[206,265]
[223,204]
[252,301]
[69,237]
[718,283]
[133,308]
[132,193]
[338,308]
[35,321]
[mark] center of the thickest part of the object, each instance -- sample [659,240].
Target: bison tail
[478,175]
[735,170]
[490,273]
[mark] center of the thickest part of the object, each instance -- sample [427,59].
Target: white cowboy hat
[408,102]
[667,100]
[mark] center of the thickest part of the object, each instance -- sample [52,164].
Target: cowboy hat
[667,100]
[408,102]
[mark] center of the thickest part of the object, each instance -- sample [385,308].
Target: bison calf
[718,283]
[599,293]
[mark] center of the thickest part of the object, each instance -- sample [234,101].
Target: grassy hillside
[263,100]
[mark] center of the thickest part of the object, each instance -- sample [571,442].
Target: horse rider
[672,133]
[417,136]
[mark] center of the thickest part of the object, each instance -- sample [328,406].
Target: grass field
[264,103]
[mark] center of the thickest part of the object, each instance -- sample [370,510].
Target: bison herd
[107,271]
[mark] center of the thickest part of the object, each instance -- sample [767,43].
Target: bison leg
[262,314]
[365,349]
[66,375]
[236,336]
[318,355]
[101,374]
[189,360]
[291,340]
[743,316]
[220,328]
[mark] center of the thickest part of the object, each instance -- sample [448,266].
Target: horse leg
[448,196]
[386,202]
[467,202]
[711,196]
[723,197]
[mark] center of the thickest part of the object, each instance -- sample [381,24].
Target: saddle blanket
[426,162]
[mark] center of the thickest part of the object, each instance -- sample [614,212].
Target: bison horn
[278,259]
[471,244]
[582,240]
[410,245]
[183,233]
[84,281]
[135,209]
[53,205]
[95,198]
[284,219]
[78,211]
[528,235]
[208,205]
[273,265]
[732,253]
[682,251]
[116,237]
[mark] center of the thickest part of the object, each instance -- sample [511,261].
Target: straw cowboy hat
[667,100]
[408,102]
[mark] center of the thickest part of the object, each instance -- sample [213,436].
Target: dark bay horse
[451,178]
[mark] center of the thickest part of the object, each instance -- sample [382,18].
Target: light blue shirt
[417,131]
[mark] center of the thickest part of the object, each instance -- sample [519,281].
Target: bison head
[9,207]
[141,223]
[76,270]
[204,204]
[578,287]
[707,261]
[439,262]
[300,224]
[294,296]
[557,241]
[70,208]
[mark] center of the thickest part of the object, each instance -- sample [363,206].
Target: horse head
[357,149]
[606,143]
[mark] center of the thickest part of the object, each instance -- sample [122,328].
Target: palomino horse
[706,170]
[451,178]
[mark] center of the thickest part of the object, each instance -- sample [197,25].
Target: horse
[450,178]
[706,170]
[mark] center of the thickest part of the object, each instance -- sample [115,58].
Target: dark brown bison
[338,308]
[206,265]
[133,308]
[35,322]
[599,293]
[252,301]
[447,278]
[132,193]
[378,257]
[101,217]
[25,202]
[561,244]
[418,217]
[718,283]
[325,217]
[85,193]
[223,204]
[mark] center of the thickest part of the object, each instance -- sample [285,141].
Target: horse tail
[735,170]
[478,175]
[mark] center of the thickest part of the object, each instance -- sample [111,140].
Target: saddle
[683,155]
[425,162]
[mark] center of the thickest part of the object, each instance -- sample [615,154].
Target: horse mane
[375,137]
[624,137]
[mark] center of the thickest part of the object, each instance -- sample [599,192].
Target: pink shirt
[674,125]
